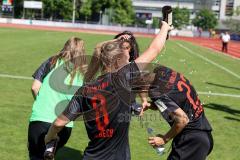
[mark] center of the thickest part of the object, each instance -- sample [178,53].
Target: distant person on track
[55,82]
[212,33]
[199,32]
[225,37]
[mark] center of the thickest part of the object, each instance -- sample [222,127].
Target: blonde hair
[73,54]
[105,55]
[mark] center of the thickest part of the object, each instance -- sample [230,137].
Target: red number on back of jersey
[99,105]
[196,105]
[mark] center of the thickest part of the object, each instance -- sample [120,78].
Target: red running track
[63,29]
[213,43]
[233,48]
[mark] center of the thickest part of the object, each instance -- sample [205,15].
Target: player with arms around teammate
[131,48]
[178,102]
[56,80]
[103,101]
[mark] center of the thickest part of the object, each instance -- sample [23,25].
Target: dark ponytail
[134,52]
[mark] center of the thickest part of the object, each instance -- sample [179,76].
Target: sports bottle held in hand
[160,149]
[167,15]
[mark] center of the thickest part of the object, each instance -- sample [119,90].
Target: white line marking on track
[218,52]
[222,53]
[209,61]
[15,77]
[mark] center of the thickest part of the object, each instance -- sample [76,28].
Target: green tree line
[122,11]
[119,12]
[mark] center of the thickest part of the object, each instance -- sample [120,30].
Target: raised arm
[155,47]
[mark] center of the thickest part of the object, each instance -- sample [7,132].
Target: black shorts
[36,133]
[192,145]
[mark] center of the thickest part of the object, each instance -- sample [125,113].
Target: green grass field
[22,51]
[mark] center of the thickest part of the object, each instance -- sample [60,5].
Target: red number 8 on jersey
[101,111]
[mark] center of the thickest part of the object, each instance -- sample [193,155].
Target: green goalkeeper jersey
[55,94]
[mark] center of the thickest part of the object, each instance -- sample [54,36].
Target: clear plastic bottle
[136,108]
[160,149]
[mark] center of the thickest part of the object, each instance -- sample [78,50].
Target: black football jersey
[104,105]
[173,91]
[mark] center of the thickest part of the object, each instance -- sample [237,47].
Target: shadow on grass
[220,85]
[67,153]
[232,118]
[223,108]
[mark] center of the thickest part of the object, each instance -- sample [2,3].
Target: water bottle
[167,15]
[51,149]
[136,108]
[160,149]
